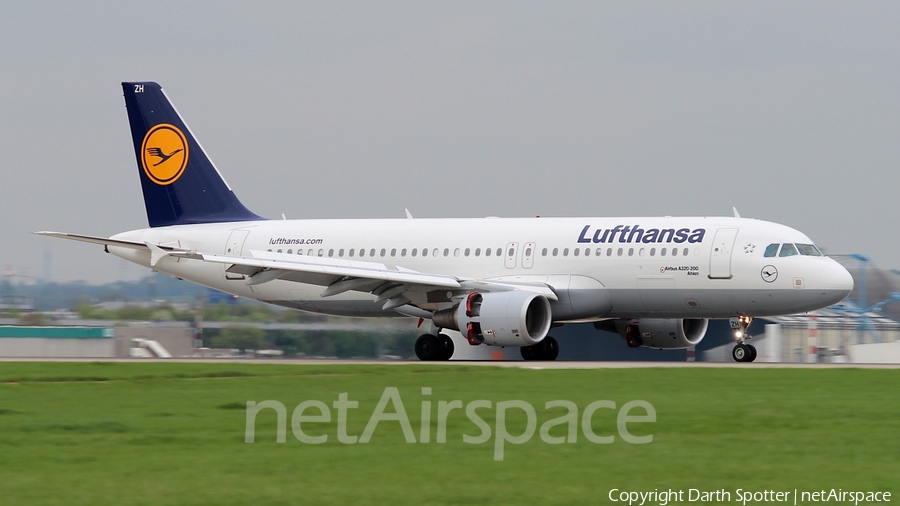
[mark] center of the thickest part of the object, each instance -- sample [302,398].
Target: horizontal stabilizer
[103,241]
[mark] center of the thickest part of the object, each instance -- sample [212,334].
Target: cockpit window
[772,250]
[788,250]
[809,250]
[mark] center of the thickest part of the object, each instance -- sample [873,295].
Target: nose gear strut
[742,351]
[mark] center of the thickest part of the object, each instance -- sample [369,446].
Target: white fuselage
[599,267]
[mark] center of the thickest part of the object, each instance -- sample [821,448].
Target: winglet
[736,215]
[408,214]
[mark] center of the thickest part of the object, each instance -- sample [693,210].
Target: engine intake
[515,318]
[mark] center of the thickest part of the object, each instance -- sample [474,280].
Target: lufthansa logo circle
[769,273]
[164,154]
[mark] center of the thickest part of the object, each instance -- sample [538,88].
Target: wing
[393,285]
[155,152]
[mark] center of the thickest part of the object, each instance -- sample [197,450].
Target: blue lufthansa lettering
[582,238]
[636,234]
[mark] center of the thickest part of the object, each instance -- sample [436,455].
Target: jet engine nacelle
[515,318]
[660,333]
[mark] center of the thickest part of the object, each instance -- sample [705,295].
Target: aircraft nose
[835,278]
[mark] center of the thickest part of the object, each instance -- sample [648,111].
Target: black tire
[740,353]
[753,353]
[448,347]
[531,352]
[549,349]
[429,348]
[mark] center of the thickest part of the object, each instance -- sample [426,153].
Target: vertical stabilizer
[181,185]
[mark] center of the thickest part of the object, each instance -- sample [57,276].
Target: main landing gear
[433,348]
[547,349]
[742,351]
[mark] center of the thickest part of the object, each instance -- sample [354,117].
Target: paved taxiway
[561,364]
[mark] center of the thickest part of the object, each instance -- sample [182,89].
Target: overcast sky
[789,111]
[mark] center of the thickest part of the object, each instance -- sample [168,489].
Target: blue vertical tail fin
[181,185]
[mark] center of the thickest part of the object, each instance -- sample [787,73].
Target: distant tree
[242,337]
[33,319]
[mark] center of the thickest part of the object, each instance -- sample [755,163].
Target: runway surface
[484,363]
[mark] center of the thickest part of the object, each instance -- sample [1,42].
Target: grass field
[173,433]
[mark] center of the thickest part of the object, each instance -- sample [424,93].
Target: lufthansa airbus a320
[498,281]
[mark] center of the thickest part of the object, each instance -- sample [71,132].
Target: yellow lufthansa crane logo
[164,154]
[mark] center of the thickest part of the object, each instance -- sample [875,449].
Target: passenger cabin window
[788,250]
[771,250]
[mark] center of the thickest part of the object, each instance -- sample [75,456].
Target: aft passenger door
[235,247]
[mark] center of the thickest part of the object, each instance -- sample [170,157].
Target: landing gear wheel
[530,352]
[753,352]
[447,345]
[741,353]
[429,348]
[548,349]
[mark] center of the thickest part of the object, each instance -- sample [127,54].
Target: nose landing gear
[742,351]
